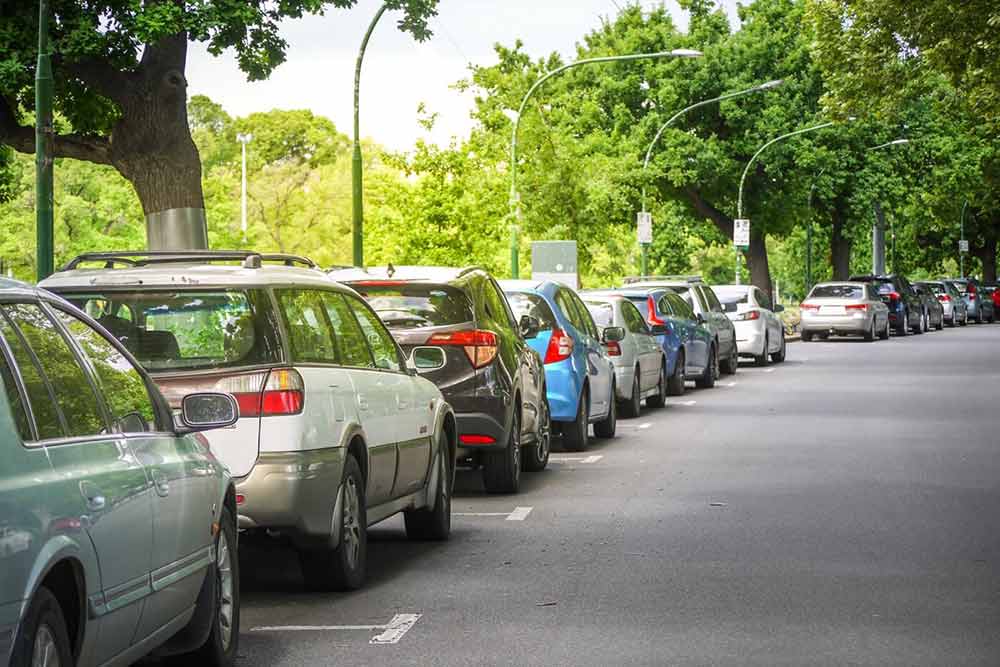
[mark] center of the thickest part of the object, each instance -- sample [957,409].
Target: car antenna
[390,269]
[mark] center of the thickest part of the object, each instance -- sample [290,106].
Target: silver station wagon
[117,528]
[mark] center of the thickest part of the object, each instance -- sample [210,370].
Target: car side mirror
[529,326]
[659,329]
[778,308]
[208,410]
[700,318]
[426,359]
[613,335]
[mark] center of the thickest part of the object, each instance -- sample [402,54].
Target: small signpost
[963,245]
[644,227]
[741,232]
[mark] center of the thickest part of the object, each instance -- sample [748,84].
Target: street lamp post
[659,133]
[961,243]
[746,170]
[43,148]
[515,199]
[357,212]
[809,232]
[244,139]
[879,233]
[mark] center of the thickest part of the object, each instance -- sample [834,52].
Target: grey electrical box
[555,260]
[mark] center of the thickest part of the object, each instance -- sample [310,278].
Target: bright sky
[399,73]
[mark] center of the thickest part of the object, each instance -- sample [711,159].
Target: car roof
[15,289]
[607,297]
[185,275]
[434,274]
[733,288]
[836,283]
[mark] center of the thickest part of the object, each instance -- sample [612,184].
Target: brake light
[560,347]
[240,499]
[480,345]
[474,439]
[614,349]
[749,315]
[893,296]
[266,394]
[944,297]
[971,289]
[863,307]
[809,306]
[653,318]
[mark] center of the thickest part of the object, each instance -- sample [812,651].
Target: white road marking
[480,513]
[391,632]
[769,370]
[593,458]
[646,425]
[687,403]
[519,514]
[730,384]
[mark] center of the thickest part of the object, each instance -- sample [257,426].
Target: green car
[117,528]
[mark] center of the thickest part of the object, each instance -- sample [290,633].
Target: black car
[906,307]
[493,380]
[933,307]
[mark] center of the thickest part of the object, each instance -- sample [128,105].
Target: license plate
[831,310]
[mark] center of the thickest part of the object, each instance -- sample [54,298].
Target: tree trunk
[760,270]
[840,245]
[987,253]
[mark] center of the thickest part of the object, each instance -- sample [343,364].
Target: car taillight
[893,296]
[863,307]
[944,297]
[560,347]
[749,315]
[480,345]
[653,318]
[613,348]
[809,306]
[266,394]
[475,439]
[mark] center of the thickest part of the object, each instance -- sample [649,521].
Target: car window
[665,307]
[602,312]
[15,400]
[124,391]
[688,295]
[496,306]
[837,292]
[565,303]
[762,299]
[711,299]
[48,421]
[67,380]
[633,320]
[680,307]
[523,303]
[872,294]
[384,350]
[309,332]
[406,305]
[732,298]
[349,339]
[584,316]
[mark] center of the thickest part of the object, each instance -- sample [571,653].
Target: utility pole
[43,148]
[244,139]
[962,244]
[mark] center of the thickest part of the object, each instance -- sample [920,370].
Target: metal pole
[878,233]
[809,233]
[357,212]
[961,255]
[645,259]
[515,209]
[244,139]
[43,148]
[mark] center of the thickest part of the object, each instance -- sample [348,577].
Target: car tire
[659,399]
[342,568]
[953,322]
[434,523]
[502,469]
[535,456]
[220,649]
[904,330]
[807,337]
[940,324]
[43,628]
[607,427]
[677,383]
[732,363]
[631,407]
[779,356]
[884,334]
[965,319]
[709,375]
[765,358]
[870,334]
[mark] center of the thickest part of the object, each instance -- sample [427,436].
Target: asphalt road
[841,508]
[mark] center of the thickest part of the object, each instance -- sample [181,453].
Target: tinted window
[349,339]
[412,305]
[584,316]
[124,390]
[664,306]
[685,293]
[680,307]
[603,313]
[72,389]
[936,288]
[564,299]
[382,346]
[47,418]
[309,333]
[633,320]
[534,305]
[885,287]
[14,398]
[642,304]
[837,292]
[496,305]
[713,301]
[731,298]
[762,299]
[188,330]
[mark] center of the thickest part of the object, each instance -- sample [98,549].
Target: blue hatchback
[579,376]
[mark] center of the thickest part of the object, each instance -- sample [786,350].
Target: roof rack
[630,280]
[249,259]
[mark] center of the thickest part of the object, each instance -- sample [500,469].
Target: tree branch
[77,146]
[105,79]
[705,208]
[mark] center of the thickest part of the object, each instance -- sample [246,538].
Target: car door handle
[160,483]
[362,402]
[93,496]
[402,403]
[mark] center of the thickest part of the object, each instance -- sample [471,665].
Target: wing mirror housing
[778,308]
[700,318]
[426,359]
[659,329]
[613,335]
[529,326]
[208,410]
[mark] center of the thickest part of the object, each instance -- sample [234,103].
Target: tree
[119,69]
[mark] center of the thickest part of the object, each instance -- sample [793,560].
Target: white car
[760,333]
[336,431]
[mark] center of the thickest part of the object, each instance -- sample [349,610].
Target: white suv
[337,431]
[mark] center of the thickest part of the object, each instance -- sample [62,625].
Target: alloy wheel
[224,566]
[544,432]
[45,653]
[352,526]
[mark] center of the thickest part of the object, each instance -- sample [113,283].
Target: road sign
[741,232]
[644,227]
[963,245]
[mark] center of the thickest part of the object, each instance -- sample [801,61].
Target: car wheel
[904,329]
[870,334]
[763,359]
[659,399]
[993,316]
[434,523]
[711,372]
[632,406]
[965,319]
[940,322]
[779,356]
[884,334]
[606,427]
[807,337]
[343,567]
[732,362]
[502,470]
[219,650]
[536,456]
[677,382]
[43,638]
[953,321]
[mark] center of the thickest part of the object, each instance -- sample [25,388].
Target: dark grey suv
[906,308]
[491,377]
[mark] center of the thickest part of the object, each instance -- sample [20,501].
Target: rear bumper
[750,337]
[293,492]
[856,324]
[624,376]
[480,423]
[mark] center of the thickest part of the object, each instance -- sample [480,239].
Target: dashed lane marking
[519,514]
[593,458]
[687,403]
[769,370]
[729,384]
[480,513]
[646,425]
[391,632]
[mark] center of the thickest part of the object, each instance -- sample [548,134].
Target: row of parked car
[159,407]
[873,306]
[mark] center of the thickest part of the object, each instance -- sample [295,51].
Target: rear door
[99,483]
[697,347]
[648,351]
[598,369]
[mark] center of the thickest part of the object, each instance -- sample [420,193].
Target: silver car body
[844,308]
[952,301]
[640,351]
[757,325]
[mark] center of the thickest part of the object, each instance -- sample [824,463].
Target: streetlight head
[244,138]
[897,142]
[771,84]
[686,53]
[851,119]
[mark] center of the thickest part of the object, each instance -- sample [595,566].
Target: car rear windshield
[838,292]
[642,303]
[602,312]
[683,292]
[190,329]
[732,298]
[937,288]
[415,305]
[523,303]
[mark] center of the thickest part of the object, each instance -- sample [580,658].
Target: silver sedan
[844,308]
